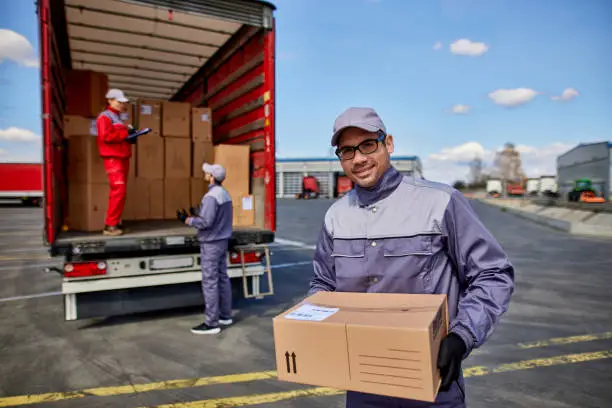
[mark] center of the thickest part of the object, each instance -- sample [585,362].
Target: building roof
[333,159]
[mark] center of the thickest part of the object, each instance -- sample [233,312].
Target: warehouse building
[291,171]
[592,161]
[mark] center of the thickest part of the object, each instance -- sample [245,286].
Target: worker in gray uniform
[214,225]
[401,234]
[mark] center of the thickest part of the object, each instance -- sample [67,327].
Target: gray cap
[362,118]
[215,170]
[116,94]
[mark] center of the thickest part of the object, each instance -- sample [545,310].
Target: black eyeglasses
[368,146]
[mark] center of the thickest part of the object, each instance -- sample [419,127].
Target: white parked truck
[494,187]
[218,54]
[548,186]
[533,186]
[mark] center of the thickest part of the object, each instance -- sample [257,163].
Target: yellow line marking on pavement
[135,388]
[245,377]
[247,400]
[256,399]
[25,258]
[566,340]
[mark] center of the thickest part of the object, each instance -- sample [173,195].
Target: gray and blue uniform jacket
[214,222]
[408,235]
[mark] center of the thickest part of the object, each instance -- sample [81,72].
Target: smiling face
[365,169]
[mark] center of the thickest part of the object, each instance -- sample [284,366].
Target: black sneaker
[205,329]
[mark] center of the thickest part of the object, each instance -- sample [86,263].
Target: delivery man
[214,225]
[401,234]
[116,151]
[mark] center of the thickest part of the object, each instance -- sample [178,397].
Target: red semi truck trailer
[21,181]
[218,54]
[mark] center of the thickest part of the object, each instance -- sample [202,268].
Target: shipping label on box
[346,341]
[243,211]
[149,116]
[79,125]
[201,124]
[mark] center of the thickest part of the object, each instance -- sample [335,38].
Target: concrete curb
[572,227]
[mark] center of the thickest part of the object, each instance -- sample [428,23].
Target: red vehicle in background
[310,188]
[21,181]
[515,189]
[343,185]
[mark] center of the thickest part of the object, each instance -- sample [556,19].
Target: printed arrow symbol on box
[294,366]
[288,363]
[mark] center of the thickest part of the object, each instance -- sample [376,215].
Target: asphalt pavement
[552,349]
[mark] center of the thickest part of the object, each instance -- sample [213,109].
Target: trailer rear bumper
[133,294]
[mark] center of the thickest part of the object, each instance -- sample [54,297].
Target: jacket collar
[389,181]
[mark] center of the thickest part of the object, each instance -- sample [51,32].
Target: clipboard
[140,133]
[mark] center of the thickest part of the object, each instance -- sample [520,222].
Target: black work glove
[182,215]
[451,354]
[194,212]
[131,139]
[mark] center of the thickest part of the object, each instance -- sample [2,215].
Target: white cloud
[461,153]
[469,48]
[3,152]
[16,47]
[568,95]
[512,97]
[461,109]
[437,46]
[451,163]
[14,134]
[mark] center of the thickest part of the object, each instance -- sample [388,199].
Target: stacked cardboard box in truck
[165,169]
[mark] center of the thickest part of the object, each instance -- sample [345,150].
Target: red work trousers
[117,171]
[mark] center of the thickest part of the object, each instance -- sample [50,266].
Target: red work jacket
[111,135]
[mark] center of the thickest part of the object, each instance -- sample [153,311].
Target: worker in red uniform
[116,151]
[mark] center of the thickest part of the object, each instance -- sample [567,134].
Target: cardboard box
[201,124]
[85,92]
[137,202]
[84,162]
[176,196]
[353,341]
[156,199]
[176,119]
[202,152]
[87,204]
[235,159]
[198,188]
[149,113]
[243,211]
[79,125]
[150,157]
[177,162]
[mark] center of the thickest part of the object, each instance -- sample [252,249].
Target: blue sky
[380,53]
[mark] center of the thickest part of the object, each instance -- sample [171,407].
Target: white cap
[215,170]
[116,94]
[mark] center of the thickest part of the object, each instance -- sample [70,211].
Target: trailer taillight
[249,257]
[81,269]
